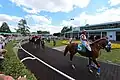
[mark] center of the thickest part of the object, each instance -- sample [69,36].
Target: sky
[53,15]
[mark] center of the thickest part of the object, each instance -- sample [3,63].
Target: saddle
[81,48]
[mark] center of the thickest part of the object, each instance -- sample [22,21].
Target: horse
[37,42]
[93,37]
[32,40]
[96,46]
[54,42]
[43,43]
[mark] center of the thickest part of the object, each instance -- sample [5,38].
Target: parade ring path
[56,59]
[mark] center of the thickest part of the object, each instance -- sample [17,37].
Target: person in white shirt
[84,40]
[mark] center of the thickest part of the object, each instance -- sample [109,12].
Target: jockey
[84,40]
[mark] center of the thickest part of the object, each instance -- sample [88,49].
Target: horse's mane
[96,41]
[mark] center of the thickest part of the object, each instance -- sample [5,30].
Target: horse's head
[101,43]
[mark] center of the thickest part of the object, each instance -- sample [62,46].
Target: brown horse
[96,46]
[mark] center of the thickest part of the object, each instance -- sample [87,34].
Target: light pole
[72,26]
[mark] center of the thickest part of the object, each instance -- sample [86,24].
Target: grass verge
[113,56]
[12,65]
[58,43]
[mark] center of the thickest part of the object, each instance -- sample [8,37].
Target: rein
[98,45]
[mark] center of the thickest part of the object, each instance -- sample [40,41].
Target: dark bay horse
[32,40]
[37,42]
[96,46]
[43,43]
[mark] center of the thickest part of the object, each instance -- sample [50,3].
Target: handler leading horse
[95,46]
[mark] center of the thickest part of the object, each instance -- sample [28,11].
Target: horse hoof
[98,75]
[91,71]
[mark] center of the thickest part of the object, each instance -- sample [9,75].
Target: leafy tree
[22,27]
[33,32]
[43,32]
[57,34]
[87,25]
[70,29]
[5,28]
[39,32]
[66,29]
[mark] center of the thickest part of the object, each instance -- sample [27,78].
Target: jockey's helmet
[83,31]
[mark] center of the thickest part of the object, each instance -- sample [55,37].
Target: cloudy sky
[52,15]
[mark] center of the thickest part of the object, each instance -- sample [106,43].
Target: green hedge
[12,65]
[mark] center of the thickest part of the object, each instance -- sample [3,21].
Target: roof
[118,22]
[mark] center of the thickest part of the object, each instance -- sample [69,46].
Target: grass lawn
[58,43]
[12,65]
[113,56]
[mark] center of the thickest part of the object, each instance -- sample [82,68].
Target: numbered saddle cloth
[81,48]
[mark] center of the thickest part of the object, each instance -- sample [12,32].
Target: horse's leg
[66,50]
[89,61]
[89,64]
[98,65]
[71,58]
[35,45]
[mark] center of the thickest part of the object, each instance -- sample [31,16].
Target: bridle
[100,46]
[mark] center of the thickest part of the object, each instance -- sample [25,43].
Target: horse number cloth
[81,48]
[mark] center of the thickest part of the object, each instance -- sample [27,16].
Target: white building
[111,30]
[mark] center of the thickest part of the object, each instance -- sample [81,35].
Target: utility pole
[72,26]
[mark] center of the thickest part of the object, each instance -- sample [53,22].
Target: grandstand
[110,29]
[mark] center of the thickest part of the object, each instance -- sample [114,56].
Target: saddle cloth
[81,48]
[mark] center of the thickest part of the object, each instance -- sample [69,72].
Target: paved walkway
[56,59]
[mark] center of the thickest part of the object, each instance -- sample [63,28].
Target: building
[110,29]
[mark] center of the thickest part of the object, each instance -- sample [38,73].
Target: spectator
[54,42]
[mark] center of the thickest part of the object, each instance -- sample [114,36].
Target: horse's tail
[66,50]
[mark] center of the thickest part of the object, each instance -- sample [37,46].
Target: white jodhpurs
[86,44]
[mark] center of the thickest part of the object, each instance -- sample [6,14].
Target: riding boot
[90,53]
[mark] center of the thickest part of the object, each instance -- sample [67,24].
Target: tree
[5,28]
[43,32]
[34,33]
[57,34]
[87,25]
[39,32]
[66,29]
[22,27]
